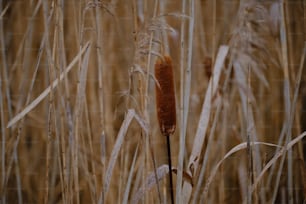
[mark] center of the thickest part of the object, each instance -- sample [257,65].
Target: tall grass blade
[121,135]
[204,119]
[45,93]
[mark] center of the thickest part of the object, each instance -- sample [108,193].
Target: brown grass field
[80,120]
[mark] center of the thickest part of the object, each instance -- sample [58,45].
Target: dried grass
[78,117]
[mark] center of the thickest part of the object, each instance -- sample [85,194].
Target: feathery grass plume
[251,52]
[165,105]
[250,44]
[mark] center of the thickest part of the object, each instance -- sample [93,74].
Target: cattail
[165,105]
[208,66]
[165,96]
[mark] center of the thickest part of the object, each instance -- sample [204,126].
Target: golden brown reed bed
[77,101]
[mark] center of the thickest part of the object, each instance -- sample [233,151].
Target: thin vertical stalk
[18,180]
[3,132]
[284,49]
[51,76]
[64,97]
[146,96]
[170,168]
[185,91]
[304,11]
[249,147]
[49,135]
[214,23]
[101,92]
[3,144]
[3,81]
[287,95]
[180,165]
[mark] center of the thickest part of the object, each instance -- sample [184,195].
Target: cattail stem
[165,105]
[170,169]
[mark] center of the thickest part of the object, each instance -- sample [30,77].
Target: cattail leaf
[278,154]
[186,176]
[82,84]
[228,154]
[161,172]
[129,182]
[204,119]
[116,149]
[275,17]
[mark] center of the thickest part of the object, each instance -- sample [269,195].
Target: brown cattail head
[165,96]
[208,66]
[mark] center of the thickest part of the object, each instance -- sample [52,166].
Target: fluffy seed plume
[165,96]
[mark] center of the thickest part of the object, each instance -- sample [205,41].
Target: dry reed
[77,97]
